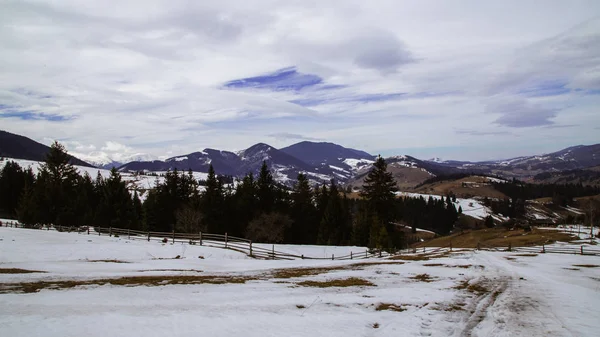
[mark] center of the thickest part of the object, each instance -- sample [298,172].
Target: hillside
[466,187]
[20,147]
[325,161]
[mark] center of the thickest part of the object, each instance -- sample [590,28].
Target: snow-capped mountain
[572,158]
[107,161]
[321,162]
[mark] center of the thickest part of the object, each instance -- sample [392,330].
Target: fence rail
[251,249]
[225,241]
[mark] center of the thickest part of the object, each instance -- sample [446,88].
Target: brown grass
[108,261]
[526,255]
[149,281]
[423,278]
[419,257]
[509,258]
[302,272]
[434,265]
[586,265]
[572,268]
[499,237]
[300,306]
[18,271]
[348,282]
[375,325]
[477,288]
[179,270]
[389,306]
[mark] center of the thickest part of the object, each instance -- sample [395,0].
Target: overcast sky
[467,80]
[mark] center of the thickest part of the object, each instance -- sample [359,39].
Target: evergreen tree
[304,229]
[58,187]
[13,180]
[116,205]
[137,212]
[212,204]
[333,218]
[244,201]
[360,227]
[265,193]
[378,190]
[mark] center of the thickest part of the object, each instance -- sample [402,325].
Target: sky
[464,80]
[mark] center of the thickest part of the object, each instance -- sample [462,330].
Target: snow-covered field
[472,207]
[466,293]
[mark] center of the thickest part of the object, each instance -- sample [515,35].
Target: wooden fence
[225,241]
[258,251]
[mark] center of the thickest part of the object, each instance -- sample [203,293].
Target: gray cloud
[521,114]
[292,136]
[481,133]
[381,51]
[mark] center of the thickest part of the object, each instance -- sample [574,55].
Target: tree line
[257,208]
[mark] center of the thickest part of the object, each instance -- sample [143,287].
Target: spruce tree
[60,182]
[212,203]
[303,212]
[266,191]
[379,192]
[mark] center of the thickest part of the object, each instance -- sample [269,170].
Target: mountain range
[322,161]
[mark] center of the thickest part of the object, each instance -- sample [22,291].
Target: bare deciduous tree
[189,220]
[268,227]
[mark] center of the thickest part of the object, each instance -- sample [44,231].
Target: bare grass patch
[348,282]
[18,271]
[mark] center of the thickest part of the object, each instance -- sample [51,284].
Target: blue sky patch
[280,80]
[29,115]
[543,89]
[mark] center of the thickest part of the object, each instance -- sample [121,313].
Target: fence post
[225,239]
[129,234]
[581,250]
[350,255]
[332,258]
[379,252]
[478,246]
[509,247]
[423,250]
[109,231]
[273,252]
[543,248]
[99,231]
[148,236]
[302,256]
[250,247]
[366,253]
[88,230]
[173,236]
[200,238]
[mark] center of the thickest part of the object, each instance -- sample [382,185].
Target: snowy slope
[139,182]
[544,295]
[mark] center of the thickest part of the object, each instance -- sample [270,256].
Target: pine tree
[265,193]
[212,204]
[116,205]
[360,227]
[137,213]
[333,218]
[304,228]
[58,187]
[378,190]
[244,201]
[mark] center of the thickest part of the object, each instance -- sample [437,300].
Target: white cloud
[148,77]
